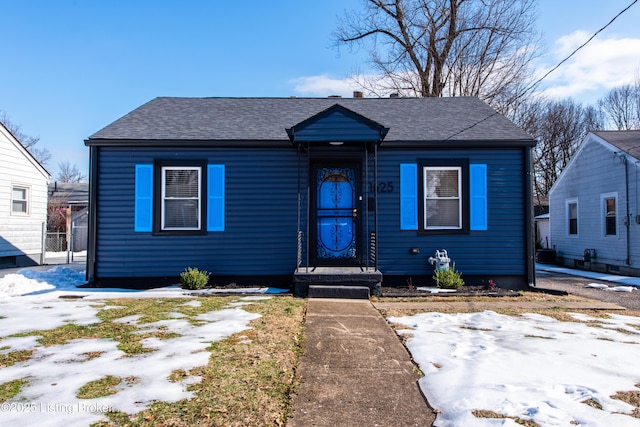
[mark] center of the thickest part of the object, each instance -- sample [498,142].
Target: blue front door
[336,215]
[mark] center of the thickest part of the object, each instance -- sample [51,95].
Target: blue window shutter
[408,196]
[215,198]
[478,197]
[143,206]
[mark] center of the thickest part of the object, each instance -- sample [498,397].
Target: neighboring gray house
[595,205]
[23,203]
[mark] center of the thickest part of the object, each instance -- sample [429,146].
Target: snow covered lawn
[531,367]
[72,360]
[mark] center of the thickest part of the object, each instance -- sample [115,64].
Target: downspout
[627,221]
[529,243]
[92,220]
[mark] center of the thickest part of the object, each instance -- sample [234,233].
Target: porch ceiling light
[336,142]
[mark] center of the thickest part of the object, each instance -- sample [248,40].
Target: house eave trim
[198,143]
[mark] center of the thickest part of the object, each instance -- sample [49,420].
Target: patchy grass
[90,355]
[558,313]
[483,413]
[632,398]
[250,378]
[13,357]
[522,296]
[128,336]
[177,375]
[11,389]
[105,386]
[593,403]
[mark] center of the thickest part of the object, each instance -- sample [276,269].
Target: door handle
[354,213]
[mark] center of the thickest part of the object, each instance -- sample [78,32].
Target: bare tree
[444,47]
[594,119]
[559,126]
[69,173]
[621,106]
[42,155]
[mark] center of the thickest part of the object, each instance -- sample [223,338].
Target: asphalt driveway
[575,285]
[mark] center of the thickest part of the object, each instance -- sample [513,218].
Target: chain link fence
[60,248]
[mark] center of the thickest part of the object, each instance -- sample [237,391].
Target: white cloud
[322,85]
[602,64]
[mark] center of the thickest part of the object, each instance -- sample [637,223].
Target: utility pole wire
[578,48]
[524,92]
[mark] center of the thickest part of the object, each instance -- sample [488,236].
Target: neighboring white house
[594,206]
[23,203]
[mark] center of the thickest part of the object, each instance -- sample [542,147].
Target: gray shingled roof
[626,140]
[265,119]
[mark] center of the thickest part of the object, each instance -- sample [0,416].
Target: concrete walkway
[355,371]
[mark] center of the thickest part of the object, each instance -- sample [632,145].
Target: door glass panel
[336,225]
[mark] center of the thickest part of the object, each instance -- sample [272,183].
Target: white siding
[596,170]
[20,234]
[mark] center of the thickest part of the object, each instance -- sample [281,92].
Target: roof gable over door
[337,124]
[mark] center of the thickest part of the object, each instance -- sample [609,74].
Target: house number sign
[383,187]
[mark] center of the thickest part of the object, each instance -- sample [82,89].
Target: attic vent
[358,94]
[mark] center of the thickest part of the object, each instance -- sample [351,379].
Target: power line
[578,48]
[524,92]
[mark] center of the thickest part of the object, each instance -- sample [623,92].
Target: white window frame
[425,169]
[603,209]
[26,200]
[569,202]
[164,198]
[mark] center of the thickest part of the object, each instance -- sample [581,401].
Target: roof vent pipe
[335,96]
[394,95]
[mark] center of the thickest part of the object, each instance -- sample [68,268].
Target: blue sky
[72,67]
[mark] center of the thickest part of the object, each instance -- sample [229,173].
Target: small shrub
[192,278]
[449,278]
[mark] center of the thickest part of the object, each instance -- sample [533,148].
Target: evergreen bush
[448,278]
[192,278]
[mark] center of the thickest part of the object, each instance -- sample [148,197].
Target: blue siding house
[302,191]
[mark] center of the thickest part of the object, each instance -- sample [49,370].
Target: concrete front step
[338,291]
[305,277]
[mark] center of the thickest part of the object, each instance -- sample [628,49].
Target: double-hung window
[442,206]
[609,206]
[443,196]
[181,198]
[20,200]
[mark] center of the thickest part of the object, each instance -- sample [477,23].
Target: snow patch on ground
[609,288]
[531,367]
[31,301]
